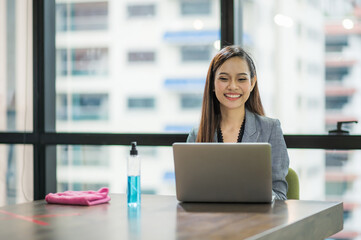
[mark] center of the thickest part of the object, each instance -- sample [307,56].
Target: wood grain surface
[163,217]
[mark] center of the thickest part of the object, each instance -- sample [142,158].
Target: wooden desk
[163,217]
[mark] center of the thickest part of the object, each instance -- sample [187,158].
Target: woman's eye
[223,79]
[242,79]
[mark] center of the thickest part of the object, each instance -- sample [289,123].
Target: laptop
[223,172]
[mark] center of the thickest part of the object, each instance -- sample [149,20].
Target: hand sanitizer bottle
[133,190]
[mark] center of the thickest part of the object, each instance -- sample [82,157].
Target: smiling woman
[232,111]
[231,73]
[233,84]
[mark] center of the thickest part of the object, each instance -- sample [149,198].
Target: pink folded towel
[87,198]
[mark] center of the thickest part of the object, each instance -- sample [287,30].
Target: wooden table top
[163,217]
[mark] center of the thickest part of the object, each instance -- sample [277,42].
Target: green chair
[293,185]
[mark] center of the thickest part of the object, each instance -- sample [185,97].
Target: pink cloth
[87,198]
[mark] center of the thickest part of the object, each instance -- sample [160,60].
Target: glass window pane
[16,72]
[141,10]
[107,166]
[191,101]
[141,103]
[62,62]
[331,175]
[335,43]
[131,75]
[308,67]
[61,16]
[138,56]
[61,107]
[82,16]
[16,174]
[89,107]
[196,53]
[89,61]
[196,7]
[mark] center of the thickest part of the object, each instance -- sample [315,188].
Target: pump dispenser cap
[134,150]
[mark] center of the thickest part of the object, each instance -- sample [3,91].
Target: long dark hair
[211,112]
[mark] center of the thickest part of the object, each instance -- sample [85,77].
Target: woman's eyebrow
[246,74]
[225,73]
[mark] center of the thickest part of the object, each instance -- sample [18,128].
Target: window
[83,156]
[82,16]
[61,107]
[286,85]
[178,128]
[196,53]
[148,152]
[141,103]
[79,167]
[135,56]
[16,101]
[90,61]
[61,17]
[62,62]
[16,173]
[16,104]
[83,62]
[90,107]
[336,102]
[336,43]
[336,73]
[144,10]
[191,101]
[195,7]
[336,158]
[76,186]
[337,188]
[140,57]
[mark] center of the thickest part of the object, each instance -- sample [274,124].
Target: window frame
[44,137]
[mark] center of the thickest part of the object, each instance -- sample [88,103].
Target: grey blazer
[263,129]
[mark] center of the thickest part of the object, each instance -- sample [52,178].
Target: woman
[232,112]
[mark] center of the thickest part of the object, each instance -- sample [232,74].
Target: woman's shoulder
[192,136]
[267,119]
[263,120]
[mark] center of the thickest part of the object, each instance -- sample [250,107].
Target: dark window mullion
[44,94]
[48,153]
[227,23]
[38,93]
[167,139]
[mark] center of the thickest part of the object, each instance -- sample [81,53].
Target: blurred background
[139,66]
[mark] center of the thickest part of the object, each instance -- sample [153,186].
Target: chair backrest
[293,185]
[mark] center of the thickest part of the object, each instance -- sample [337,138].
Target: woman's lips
[232,96]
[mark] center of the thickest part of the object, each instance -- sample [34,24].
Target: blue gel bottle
[133,189]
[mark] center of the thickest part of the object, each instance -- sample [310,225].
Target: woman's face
[233,83]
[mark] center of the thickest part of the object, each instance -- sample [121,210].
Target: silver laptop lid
[223,172]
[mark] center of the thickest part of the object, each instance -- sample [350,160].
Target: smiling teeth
[233,95]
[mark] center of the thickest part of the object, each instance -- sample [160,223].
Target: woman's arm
[280,162]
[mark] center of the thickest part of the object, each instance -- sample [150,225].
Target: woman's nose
[232,85]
